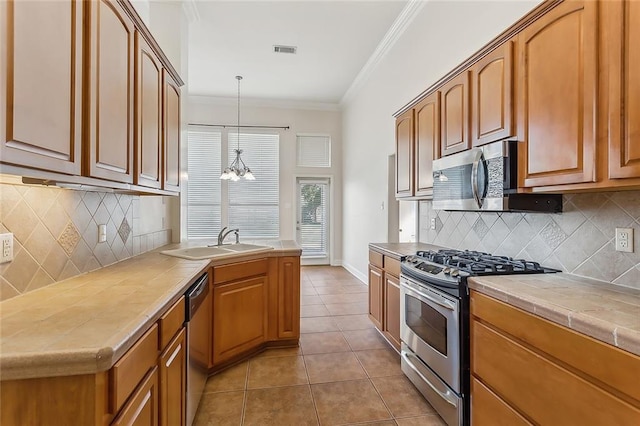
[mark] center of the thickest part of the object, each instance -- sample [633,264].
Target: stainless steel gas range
[434,322]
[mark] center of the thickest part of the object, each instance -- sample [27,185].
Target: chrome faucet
[222,235]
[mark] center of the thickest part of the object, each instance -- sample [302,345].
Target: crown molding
[264,103]
[396,30]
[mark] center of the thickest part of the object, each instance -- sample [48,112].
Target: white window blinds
[314,151]
[203,199]
[253,205]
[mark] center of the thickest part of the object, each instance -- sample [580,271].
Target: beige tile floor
[343,373]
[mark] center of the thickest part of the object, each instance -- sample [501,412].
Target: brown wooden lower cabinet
[142,407]
[173,382]
[384,295]
[527,369]
[392,309]
[376,292]
[147,385]
[239,317]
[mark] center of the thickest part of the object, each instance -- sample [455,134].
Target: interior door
[312,222]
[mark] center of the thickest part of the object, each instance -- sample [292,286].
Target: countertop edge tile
[35,359]
[562,312]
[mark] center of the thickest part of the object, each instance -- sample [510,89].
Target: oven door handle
[440,302]
[450,399]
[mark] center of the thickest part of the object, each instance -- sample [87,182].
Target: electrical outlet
[433,224]
[624,239]
[7,248]
[102,233]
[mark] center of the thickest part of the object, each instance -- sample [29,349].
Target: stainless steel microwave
[486,179]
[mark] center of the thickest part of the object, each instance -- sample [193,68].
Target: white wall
[442,35]
[204,110]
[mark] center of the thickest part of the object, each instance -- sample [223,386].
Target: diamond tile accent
[69,238]
[480,228]
[125,230]
[553,235]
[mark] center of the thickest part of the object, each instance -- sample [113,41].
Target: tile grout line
[245,394]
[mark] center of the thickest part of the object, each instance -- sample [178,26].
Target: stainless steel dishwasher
[198,322]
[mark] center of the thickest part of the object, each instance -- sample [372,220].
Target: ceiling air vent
[284,49]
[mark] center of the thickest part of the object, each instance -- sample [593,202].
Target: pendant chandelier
[237,169]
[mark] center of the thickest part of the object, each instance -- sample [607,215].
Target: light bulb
[226,175]
[249,176]
[234,177]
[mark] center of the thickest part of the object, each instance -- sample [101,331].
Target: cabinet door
[492,94]
[487,408]
[404,155]
[239,317]
[455,115]
[148,118]
[392,309]
[427,136]
[624,86]
[111,92]
[142,408]
[41,84]
[171,122]
[173,382]
[375,296]
[289,298]
[557,96]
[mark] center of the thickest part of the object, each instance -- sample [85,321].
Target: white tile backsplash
[580,240]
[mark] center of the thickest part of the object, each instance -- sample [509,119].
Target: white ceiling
[334,40]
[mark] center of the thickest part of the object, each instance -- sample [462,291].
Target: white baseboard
[355,273]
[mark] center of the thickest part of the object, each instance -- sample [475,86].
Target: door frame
[331,234]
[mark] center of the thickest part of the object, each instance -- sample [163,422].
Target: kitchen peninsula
[88,350]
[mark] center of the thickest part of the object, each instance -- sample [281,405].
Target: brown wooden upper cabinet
[624,89]
[148,158]
[557,96]
[492,94]
[404,155]
[41,87]
[171,123]
[455,115]
[111,92]
[427,142]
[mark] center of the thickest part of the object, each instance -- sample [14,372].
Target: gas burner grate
[481,263]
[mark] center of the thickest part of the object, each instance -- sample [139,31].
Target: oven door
[430,327]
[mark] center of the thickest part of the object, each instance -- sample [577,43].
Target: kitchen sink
[210,252]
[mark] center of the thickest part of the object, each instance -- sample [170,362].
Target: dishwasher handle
[196,294]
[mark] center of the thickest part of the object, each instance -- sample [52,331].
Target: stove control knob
[455,272]
[447,270]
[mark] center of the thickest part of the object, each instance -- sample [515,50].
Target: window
[254,205]
[251,206]
[204,189]
[314,151]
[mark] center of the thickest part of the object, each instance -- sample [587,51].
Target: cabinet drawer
[577,350]
[487,408]
[127,373]
[170,323]
[240,270]
[553,395]
[392,266]
[375,259]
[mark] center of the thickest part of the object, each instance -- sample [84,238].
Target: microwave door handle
[474,181]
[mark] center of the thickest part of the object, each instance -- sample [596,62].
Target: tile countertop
[84,324]
[606,312]
[399,250]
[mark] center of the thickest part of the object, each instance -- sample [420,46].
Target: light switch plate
[7,248]
[624,240]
